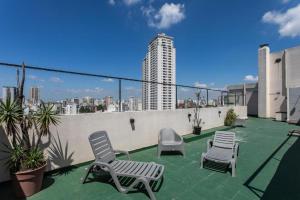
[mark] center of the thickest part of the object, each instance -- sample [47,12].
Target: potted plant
[230,117]
[197,121]
[26,160]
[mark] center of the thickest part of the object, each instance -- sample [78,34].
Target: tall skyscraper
[159,65]
[34,95]
[9,93]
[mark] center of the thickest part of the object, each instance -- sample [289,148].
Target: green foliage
[197,120]
[10,117]
[230,117]
[16,157]
[34,159]
[24,154]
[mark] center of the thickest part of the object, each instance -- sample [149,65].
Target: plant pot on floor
[197,130]
[26,183]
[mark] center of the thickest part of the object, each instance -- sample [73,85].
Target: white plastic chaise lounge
[169,140]
[105,159]
[239,122]
[223,149]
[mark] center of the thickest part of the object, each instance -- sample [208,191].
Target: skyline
[54,33]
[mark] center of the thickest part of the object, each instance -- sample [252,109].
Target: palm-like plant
[44,118]
[25,153]
[11,115]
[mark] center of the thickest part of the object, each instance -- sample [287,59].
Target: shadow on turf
[285,183]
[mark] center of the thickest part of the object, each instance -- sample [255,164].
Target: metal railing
[224,97]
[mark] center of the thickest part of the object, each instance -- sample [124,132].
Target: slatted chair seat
[222,149]
[105,159]
[151,171]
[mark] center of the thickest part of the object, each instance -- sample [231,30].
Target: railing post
[176,98]
[234,98]
[206,97]
[120,95]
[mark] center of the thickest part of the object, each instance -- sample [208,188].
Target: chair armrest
[178,138]
[209,144]
[236,149]
[123,152]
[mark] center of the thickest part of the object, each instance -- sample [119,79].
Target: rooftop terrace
[267,168]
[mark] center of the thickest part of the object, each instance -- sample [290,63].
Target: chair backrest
[101,147]
[167,134]
[224,139]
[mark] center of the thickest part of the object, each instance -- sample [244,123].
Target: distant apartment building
[9,93]
[71,109]
[34,95]
[108,100]
[159,65]
[75,101]
[279,84]
[134,104]
[88,100]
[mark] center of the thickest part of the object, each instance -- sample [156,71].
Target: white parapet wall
[72,146]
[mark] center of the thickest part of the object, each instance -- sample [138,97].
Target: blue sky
[216,41]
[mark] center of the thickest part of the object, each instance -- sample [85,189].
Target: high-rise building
[133,104]
[34,95]
[9,93]
[159,65]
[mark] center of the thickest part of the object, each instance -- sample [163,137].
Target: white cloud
[201,85]
[108,80]
[182,89]
[168,15]
[35,78]
[112,2]
[288,21]
[56,80]
[285,1]
[86,91]
[251,78]
[131,2]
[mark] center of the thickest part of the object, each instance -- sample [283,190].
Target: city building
[133,104]
[9,93]
[75,101]
[71,109]
[108,100]
[34,95]
[159,65]
[279,84]
[88,100]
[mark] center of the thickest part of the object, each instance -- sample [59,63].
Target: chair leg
[148,188]
[233,168]
[201,161]
[88,170]
[158,152]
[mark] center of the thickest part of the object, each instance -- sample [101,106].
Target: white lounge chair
[223,149]
[142,172]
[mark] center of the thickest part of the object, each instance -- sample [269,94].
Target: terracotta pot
[197,130]
[29,182]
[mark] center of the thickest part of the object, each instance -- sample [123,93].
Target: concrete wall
[72,147]
[277,91]
[263,81]
[294,105]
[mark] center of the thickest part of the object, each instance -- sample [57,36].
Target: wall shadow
[286,180]
[60,156]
